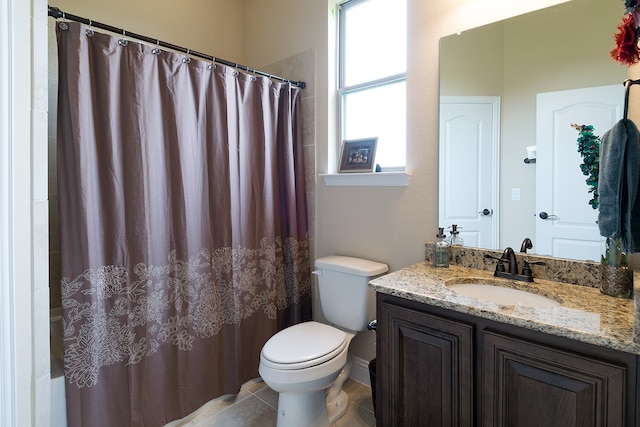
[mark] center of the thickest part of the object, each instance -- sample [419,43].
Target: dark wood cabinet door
[427,379]
[528,384]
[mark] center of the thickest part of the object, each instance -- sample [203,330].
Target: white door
[469,170]
[570,229]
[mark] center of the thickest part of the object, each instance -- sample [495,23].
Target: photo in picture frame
[358,155]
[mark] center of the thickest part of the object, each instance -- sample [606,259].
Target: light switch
[515,194]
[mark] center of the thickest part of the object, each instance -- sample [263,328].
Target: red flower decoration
[626,50]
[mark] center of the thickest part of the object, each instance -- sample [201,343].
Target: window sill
[376,179]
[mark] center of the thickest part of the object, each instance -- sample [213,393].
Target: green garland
[589,149]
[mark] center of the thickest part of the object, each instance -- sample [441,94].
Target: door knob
[545,215]
[486,211]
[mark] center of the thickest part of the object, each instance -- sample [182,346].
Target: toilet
[308,363]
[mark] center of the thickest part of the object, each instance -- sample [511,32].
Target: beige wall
[213,27]
[388,224]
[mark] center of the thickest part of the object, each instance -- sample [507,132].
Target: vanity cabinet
[438,367]
[527,384]
[414,391]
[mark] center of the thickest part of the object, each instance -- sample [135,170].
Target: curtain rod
[57,13]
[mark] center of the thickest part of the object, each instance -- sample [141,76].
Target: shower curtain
[183,227]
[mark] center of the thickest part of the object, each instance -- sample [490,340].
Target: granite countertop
[584,313]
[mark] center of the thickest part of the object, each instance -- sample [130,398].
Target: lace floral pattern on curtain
[250,278]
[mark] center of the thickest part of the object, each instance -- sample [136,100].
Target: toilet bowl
[300,363]
[308,363]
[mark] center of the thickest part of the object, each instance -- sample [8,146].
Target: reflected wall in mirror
[563,47]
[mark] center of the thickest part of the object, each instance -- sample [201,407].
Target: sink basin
[501,295]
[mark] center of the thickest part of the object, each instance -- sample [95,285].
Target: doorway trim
[8,348]
[24,263]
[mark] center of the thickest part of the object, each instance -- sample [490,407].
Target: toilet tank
[346,299]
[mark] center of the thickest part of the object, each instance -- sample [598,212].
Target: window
[372,77]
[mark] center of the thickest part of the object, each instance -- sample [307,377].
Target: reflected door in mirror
[469,153]
[569,230]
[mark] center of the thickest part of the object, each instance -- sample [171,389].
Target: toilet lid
[303,345]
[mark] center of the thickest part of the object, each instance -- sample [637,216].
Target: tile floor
[255,406]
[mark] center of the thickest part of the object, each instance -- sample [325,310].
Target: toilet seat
[303,345]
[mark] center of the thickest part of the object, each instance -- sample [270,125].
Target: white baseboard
[360,371]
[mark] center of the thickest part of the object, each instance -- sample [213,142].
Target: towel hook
[627,85]
[627,88]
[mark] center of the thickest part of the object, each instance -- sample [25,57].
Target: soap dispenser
[455,239]
[441,252]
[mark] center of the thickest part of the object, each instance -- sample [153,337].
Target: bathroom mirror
[560,48]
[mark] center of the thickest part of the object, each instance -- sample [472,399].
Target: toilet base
[303,409]
[336,398]
[337,407]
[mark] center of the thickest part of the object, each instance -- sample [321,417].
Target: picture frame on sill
[358,155]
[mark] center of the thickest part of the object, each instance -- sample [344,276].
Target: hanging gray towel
[631,225]
[619,215]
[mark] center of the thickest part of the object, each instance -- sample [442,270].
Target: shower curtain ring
[123,41]
[186,58]
[89,32]
[156,50]
[63,25]
[212,66]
